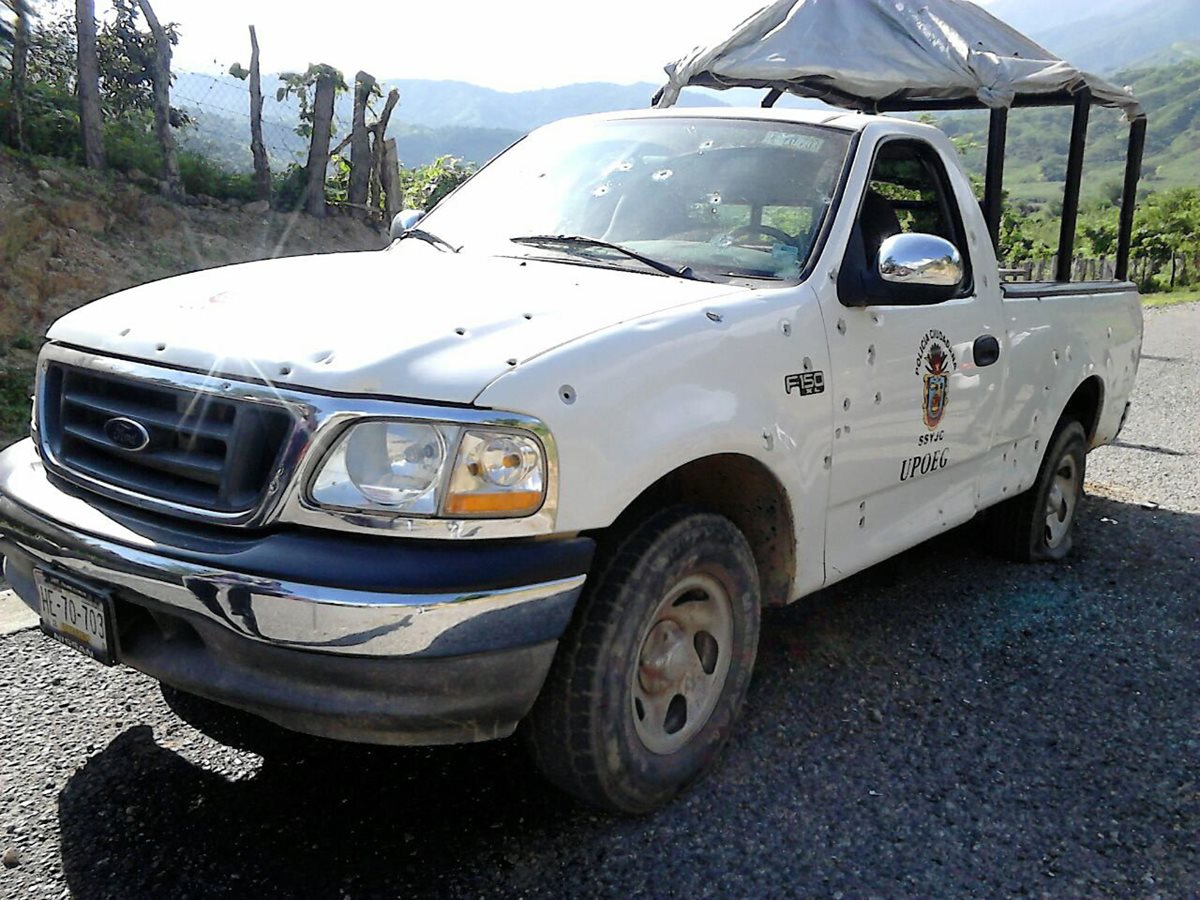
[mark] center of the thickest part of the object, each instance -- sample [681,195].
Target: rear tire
[652,672]
[1038,525]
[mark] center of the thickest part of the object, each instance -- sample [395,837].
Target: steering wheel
[746,230]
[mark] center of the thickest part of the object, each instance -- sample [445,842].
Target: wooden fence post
[262,165]
[360,146]
[318,150]
[391,179]
[378,136]
[20,65]
[161,76]
[91,124]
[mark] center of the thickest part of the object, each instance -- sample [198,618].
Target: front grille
[200,450]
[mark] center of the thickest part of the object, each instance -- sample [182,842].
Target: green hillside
[1037,147]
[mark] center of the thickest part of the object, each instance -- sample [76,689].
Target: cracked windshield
[700,197]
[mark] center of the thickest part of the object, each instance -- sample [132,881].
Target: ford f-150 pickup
[540,463]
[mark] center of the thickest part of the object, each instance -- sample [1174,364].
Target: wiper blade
[576,240]
[428,237]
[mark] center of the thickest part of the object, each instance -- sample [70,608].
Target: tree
[160,74]
[88,68]
[361,163]
[262,165]
[17,40]
[316,121]
[258,149]
[425,186]
[1168,224]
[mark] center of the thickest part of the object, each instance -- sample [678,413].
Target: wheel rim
[1061,501]
[682,663]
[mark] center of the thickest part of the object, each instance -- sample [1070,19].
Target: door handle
[986,350]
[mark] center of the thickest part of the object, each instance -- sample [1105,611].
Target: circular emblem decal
[127,434]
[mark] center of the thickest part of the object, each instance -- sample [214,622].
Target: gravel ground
[943,725]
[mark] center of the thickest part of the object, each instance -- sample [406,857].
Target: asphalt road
[944,725]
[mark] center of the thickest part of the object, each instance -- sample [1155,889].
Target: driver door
[914,412]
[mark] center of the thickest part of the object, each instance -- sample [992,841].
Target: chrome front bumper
[57,530]
[192,608]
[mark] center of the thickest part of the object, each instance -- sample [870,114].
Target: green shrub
[130,144]
[202,176]
[51,121]
[15,388]
[288,187]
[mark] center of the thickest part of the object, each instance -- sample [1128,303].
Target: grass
[1170,299]
[15,387]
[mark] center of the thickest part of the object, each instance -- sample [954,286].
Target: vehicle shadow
[141,820]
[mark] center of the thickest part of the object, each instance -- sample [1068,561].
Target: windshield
[721,198]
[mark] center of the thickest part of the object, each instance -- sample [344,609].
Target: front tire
[651,675]
[1038,525]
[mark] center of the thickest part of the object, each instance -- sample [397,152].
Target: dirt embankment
[68,236]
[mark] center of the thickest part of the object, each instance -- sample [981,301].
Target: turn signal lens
[497,474]
[512,503]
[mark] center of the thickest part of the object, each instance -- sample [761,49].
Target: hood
[411,322]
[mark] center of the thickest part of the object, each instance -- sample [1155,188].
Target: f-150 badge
[935,363]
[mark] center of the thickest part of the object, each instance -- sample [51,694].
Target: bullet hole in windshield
[624,166]
[662,175]
[714,198]
[600,191]
[706,145]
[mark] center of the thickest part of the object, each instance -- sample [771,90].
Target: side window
[909,191]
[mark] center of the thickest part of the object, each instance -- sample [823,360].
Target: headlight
[422,469]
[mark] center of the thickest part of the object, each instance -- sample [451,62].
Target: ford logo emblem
[127,434]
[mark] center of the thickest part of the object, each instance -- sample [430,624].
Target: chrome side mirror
[920,259]
[405,220]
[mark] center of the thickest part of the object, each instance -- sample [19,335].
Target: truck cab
[540,463]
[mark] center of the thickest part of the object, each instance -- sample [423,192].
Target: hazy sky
[513,45]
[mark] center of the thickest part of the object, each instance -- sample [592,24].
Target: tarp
[857,53]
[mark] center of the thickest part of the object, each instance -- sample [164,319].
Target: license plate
[78,616]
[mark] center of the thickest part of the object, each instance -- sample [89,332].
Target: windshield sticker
[805,142]
[936,362]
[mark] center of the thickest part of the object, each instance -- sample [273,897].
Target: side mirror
[920,260]
[405,220]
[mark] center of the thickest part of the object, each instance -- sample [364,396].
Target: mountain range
[1130,41]
[434,117]
[1105,36]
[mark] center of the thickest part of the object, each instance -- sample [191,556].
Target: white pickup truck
[540,463]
